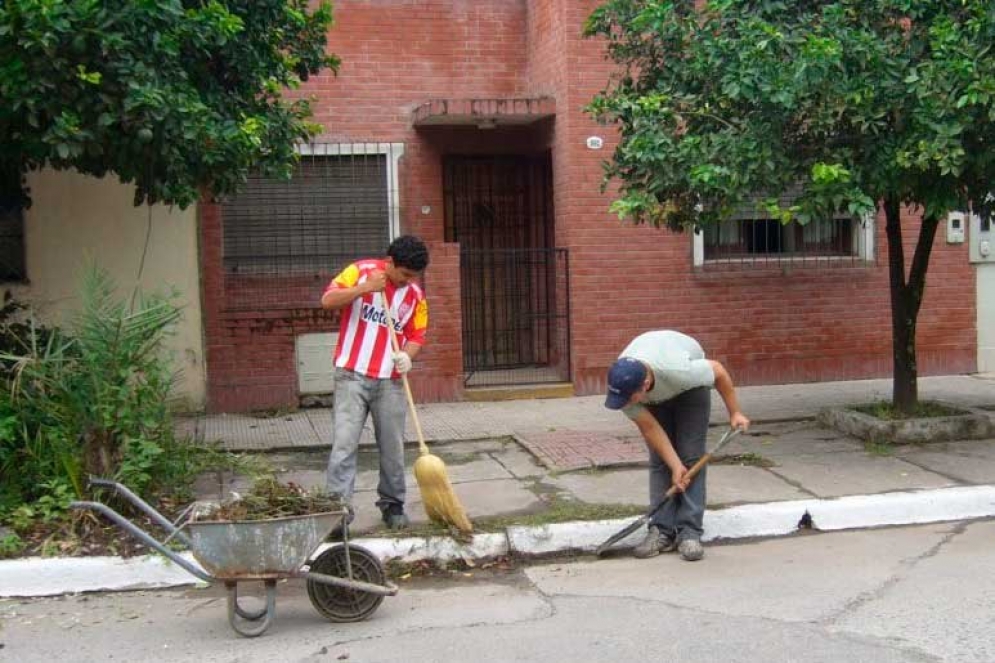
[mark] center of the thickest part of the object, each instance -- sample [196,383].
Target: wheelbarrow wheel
[341,604]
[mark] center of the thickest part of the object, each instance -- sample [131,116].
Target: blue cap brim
[616,401]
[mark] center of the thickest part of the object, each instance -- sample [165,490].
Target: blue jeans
[685,420]
[356,397]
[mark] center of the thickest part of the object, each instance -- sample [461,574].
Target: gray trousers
[685,420]
[357,396]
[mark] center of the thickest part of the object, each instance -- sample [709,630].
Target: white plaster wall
[986,317]
[74,218]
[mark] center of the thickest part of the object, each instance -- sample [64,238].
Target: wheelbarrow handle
[141,535]
[141,505]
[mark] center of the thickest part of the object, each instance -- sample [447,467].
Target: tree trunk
[906,299]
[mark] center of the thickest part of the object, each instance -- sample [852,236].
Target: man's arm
[415,328]
[726,389]
[657,440]
[411,349]
[339,297]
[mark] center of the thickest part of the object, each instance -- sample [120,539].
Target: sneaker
[656,542]
[393,516]
[690,550]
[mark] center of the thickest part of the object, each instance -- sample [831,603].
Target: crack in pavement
[908,564]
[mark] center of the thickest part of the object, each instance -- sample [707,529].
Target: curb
[36,576]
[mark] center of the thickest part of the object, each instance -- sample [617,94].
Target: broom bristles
[441,503]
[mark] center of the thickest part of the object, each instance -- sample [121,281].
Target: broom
[441,503]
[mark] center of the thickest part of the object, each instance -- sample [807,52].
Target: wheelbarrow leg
[237,616]
[243,613]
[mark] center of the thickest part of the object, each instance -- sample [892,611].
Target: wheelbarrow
[346,582]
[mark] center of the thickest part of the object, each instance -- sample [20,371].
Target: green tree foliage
[173,95]
[861,102]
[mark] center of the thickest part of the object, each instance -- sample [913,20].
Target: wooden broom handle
[422,447]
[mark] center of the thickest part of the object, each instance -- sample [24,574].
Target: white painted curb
[47,577]
[44,576]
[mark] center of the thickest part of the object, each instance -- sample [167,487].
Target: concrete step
[519,392]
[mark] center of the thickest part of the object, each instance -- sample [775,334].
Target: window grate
[284,240]
[751,237]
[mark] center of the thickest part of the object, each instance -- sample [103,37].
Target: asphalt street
[910,594]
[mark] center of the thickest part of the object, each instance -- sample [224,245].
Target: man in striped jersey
[367,371]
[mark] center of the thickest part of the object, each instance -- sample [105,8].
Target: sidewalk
[520,461]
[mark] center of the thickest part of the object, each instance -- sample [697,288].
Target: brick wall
[769,327]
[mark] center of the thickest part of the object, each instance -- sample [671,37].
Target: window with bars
[12,266]
[283,239]
[750,236]
[334,209]
[761,236]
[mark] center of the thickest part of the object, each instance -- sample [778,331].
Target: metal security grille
[751,236]
[11,241]
[516,310]
[285,239]
[515,298]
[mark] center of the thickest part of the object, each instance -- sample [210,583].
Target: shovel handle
[639,522]
[704,460]
[422,447]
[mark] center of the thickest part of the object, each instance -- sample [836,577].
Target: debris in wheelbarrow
[344,582]
[269,498]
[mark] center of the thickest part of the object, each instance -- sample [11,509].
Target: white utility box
[982,239]
[315,372]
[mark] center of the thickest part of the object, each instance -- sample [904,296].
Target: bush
[92,399]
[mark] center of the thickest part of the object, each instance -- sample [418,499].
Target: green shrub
[11,545]
[90,400]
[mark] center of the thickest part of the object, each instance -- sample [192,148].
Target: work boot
[393,516]
[657,541]
[690,550]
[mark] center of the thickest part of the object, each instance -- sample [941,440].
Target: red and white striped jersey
[364,346]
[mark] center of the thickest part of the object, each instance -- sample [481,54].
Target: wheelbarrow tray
[259,549]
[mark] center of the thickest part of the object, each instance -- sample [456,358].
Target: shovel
[641,520]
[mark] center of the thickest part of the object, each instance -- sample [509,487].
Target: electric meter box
[981,240]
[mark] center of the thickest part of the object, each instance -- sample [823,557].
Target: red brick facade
[768,326]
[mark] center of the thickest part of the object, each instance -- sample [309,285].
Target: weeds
[877,447]
[88,399]
[11,545]
[924,410]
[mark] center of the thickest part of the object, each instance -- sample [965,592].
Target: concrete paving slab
[737,484]
[473,447]
[321,421]
[518,462]
[792,439]
[975,467]
[969,462]
[854,474]
[496,498]
[606,487]
[243,432]
[481,469]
